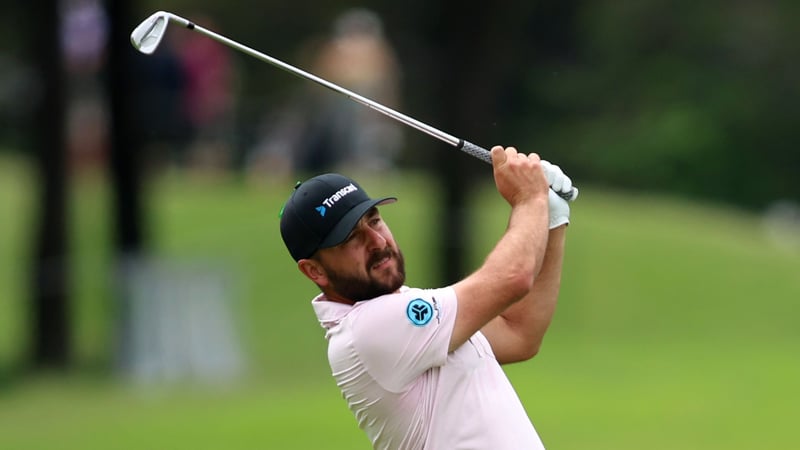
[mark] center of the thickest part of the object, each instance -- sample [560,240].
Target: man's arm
[517,333]
[507,274]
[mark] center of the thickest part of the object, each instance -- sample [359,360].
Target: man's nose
[375,240]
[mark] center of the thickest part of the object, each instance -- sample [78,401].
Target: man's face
[367,264]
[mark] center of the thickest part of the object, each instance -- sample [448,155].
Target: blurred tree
[18,83]
[473,69]
[127,138]
[675,96]
[50,331]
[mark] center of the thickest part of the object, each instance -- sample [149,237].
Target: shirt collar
[331,313]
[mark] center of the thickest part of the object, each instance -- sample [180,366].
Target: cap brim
[349,221]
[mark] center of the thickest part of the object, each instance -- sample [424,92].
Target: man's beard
[359,288]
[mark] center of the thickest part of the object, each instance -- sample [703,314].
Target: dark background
[695,98]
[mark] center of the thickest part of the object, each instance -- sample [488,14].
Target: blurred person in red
[209,98]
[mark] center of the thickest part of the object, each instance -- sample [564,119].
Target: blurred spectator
[85,35]
[161,80]
[159,104]
[323,130]
[208,97]
[84,44]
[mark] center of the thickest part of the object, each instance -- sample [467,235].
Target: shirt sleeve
[400,336]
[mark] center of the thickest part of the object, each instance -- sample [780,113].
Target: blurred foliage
[696,98]
[699,98]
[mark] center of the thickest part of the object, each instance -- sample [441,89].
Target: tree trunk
[50,309]
[126,139]
[477,55]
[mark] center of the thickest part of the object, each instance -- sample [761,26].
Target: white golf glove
[559,210]
[559,183]
[557,179]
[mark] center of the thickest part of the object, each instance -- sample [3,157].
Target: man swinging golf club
[421,368]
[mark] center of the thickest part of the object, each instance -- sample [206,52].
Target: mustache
[379,255]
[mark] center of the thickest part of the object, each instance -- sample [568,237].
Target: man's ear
[314,271]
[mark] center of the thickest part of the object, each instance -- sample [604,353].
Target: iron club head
[149,33]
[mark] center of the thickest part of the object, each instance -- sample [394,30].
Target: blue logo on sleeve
[419,312]
[321,210]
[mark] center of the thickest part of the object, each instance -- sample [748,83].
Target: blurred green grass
[676,328]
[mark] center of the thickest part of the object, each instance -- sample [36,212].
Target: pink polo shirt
[389,358]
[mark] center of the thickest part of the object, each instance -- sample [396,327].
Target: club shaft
[465,146]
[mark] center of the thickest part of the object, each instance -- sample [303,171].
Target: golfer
[420,368]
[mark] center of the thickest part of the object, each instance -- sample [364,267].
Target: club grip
[475,150]
[485,156]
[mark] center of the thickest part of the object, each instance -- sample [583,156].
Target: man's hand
[557,179]
[559,183]
[559,210]
[519,177]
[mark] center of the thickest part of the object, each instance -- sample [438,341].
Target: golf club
[147,36]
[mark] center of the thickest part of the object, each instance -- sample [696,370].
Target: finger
[548,171]
[566,186]
[499,156]
[511,152]
[562,184]
[558,178]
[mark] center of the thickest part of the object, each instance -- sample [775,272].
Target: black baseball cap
[321,213]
